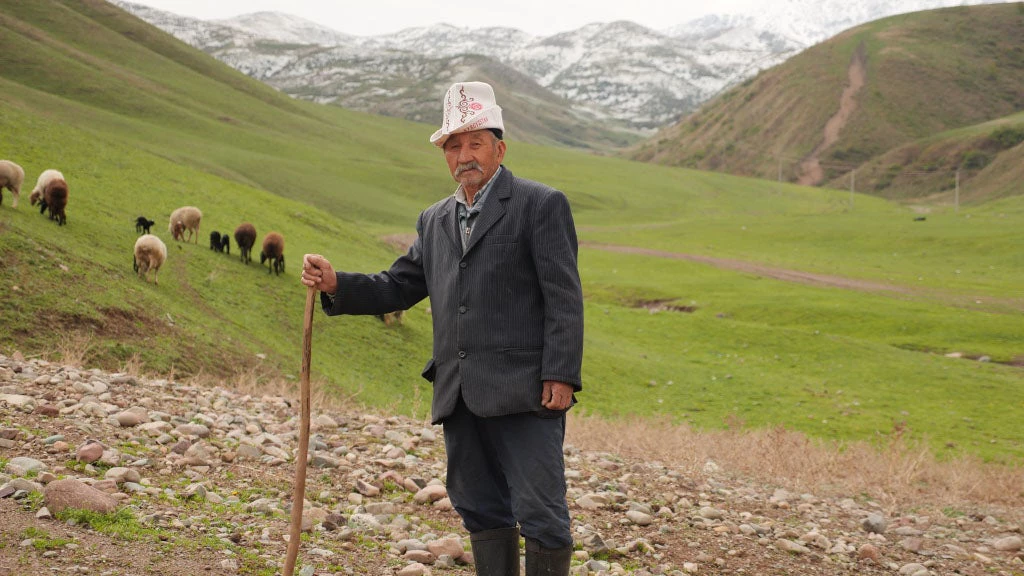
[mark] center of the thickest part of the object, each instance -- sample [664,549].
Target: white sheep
[45,179]
[185,218]
[150,253]
[11,177]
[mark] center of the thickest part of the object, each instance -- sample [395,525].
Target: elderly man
[498,261]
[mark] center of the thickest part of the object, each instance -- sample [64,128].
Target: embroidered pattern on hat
[477,124]
[447,107]
[465,104]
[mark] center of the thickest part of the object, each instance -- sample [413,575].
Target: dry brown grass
[898,474]
[73,349]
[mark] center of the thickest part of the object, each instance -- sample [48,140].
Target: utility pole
[780,168]
[853,185]
[956,192]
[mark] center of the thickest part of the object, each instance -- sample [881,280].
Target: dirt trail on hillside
[811,172]
[759,269]
[401,243]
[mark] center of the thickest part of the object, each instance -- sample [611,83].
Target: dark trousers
[508,469]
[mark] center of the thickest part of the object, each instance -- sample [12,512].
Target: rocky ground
[188,479]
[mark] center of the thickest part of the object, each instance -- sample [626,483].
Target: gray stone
[1008,544]
[22,484]
[19,401]
[121,474]
[711,513]
[430,493]
[321,461]
[414,569]
[874,524]
[22,465]
[594,543]
[198,430]
[790,546]
[132,417]
[639,518]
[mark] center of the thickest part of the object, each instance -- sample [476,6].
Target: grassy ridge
[142,125]
[926,73]
[988,156]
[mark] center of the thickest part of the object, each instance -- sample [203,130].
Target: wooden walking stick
[299,495]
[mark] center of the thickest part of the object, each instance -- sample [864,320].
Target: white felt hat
[468,106]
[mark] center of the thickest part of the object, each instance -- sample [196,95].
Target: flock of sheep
[51,191]
[150,252]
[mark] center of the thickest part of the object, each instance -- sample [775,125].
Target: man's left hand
[556,395]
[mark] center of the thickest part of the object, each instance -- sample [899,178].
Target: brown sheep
[273,250]
[11,177]
[36,197]
[55,198]
[245,237]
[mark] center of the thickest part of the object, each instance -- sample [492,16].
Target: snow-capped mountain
[807,22]
[285,28]
[620,70]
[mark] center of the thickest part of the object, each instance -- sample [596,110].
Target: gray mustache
[468,166]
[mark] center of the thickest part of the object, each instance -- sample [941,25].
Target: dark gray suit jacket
[507,313]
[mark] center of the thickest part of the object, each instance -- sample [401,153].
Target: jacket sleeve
[397,288]
[554,249]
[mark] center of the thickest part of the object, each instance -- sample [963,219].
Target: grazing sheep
[36,197]
[11,177]
[219,242]
[273,250]
[391,318]
[142,225]
[186,218]
[150,253]
[245,237]
[55,198]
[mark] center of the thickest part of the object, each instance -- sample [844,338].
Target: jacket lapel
[450,223]
[493,210]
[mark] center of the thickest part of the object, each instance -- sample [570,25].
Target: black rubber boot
[496,552]
[542,561]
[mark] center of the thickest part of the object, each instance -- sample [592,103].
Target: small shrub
[1008,137]
[121,523]
[975,160]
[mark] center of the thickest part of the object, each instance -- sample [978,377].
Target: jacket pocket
[499,239]
[429,371]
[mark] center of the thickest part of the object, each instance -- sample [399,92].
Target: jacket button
[463,264]
[462,309]
[462,354]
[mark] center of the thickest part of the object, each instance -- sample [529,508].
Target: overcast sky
[538,17]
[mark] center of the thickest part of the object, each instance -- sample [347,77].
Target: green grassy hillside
[141,124]
[989,158]
[925,73]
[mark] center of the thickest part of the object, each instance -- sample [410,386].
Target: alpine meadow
[711,300]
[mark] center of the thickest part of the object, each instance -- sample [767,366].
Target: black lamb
[142,225]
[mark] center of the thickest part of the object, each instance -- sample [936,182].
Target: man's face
[473,157]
